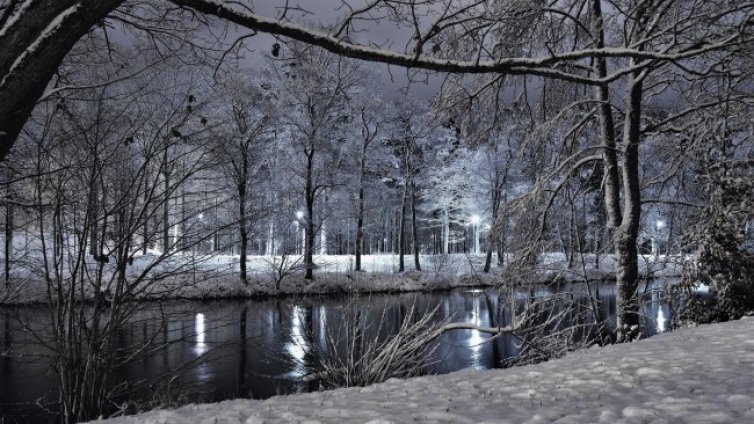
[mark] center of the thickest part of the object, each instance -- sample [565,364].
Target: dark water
[259,348]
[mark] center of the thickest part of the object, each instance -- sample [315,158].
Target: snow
[216,276]
[692,375]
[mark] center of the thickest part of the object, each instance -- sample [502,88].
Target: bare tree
[498,158]
[241,149]
[370,130]
[316,85]
[407,139]
[108,122]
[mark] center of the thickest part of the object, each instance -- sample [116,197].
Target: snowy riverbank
[694,375]
[216,276]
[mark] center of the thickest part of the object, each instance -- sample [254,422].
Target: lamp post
[200,216]
[299,216]
[659,225]
[487,239]
[475,221]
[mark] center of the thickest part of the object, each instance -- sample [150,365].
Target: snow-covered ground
[190,276]
[217,276]
[694,375]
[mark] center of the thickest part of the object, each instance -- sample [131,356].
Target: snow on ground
[217,276]
[695,375]
[193,276]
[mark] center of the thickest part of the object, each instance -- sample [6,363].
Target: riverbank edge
[212,286]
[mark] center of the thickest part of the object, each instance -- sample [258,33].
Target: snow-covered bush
[719,236]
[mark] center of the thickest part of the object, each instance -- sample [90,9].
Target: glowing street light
[659,225]
[299,217]
[475,220]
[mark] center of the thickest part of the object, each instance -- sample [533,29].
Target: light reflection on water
[298,345]
[661,322]
[476,339]
[201,346]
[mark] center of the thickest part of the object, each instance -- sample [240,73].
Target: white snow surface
[185,276]
[215,276]
[693,375]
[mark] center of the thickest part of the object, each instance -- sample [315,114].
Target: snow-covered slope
[699,375]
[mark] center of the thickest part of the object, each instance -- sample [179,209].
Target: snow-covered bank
[216,276]
[695,375]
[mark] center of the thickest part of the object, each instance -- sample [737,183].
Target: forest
[197,149]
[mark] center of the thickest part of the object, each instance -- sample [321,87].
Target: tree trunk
[627,263]
[243,232]
[489,239]
[9,213]
[401,231]
[182,225]
[625,228]
[414,230]
[360,213]
[309,228]
[600,225]
[145,227]
[91,220]
[165,215]
[323,229]
[242,215]
[270,249]
[445,231]
[503,235]
[607,126]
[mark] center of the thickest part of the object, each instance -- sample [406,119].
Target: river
[225,349]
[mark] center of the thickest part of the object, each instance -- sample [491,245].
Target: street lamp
[299,216]
[659,225]
[475,221]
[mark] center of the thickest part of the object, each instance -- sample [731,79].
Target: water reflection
[297,346]
[476,339]
[660,321]
[656,308]
[322,319]
[201,346]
